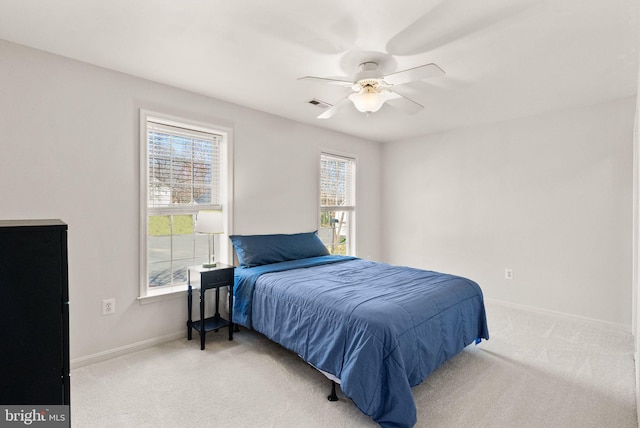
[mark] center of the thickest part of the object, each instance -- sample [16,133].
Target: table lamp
[210,223]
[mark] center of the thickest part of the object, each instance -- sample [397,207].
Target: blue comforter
[380,329]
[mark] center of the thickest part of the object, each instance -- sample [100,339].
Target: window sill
[154,296]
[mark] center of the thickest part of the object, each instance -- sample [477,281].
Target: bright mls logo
[45,416]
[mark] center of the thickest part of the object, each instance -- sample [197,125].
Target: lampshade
[209,222]
[368,100]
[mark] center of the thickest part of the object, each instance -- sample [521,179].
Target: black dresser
[34,313]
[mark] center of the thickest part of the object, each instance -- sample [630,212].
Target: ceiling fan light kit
[371,88]
[369,100]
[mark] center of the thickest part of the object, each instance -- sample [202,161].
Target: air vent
[318,103]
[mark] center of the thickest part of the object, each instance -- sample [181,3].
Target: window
[184,170]
[337,203]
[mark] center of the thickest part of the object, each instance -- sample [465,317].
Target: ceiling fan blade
[451,21]
[334,109]
[328,80]
[420,72]
[403,103]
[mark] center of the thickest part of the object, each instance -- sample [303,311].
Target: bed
[375,328]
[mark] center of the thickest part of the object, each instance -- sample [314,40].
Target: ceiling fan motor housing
[369,71]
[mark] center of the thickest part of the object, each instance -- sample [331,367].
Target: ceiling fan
[372,89]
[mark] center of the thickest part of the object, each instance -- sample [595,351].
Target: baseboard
[123,350]
[138,346]
[606,324]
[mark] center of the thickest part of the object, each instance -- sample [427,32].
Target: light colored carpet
[537,370]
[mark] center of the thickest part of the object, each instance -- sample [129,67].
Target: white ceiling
[503,58]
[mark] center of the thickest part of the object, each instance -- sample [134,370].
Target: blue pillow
[256,250]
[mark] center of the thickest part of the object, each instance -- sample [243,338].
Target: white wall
[548,196]
[70,150]
[636,247]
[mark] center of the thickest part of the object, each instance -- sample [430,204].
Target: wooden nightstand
[204,279]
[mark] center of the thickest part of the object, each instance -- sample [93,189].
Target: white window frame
[351,209]
[223,248]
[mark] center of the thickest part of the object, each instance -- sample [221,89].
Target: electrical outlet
[508,273]
[108,306]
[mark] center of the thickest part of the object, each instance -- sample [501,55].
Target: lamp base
[208,265]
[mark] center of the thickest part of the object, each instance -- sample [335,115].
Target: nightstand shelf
[211,324]
[203,279]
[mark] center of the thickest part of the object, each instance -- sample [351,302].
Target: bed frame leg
[333,396]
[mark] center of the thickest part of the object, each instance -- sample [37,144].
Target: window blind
[336,181]
[183,166]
